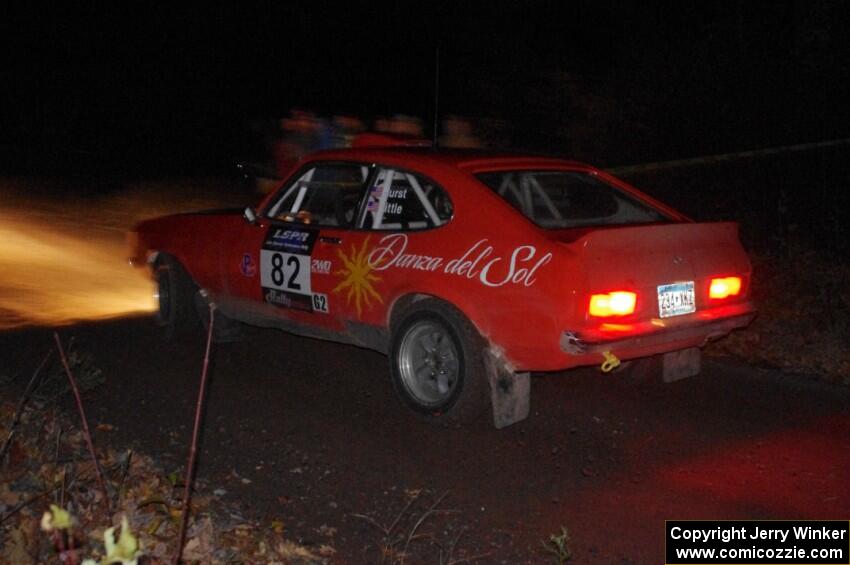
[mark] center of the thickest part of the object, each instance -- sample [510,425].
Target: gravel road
[308,433]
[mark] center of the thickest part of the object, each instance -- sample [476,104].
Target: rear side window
[568,199]
[401,200]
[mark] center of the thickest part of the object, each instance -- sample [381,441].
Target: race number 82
[285,271]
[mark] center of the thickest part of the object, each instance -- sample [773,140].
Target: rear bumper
[658,336]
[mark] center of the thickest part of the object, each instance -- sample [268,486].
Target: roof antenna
[436,96]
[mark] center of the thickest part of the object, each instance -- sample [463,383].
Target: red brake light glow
[619,303]
[725,287]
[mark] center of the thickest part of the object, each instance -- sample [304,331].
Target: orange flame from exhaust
[52,274]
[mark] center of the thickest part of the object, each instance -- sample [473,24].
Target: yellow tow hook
[611,362]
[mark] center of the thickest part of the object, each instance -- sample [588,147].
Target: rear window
[568,199]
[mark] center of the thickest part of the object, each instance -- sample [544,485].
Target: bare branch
[471,559]
[190,465]
[372,521]
[430,512]
[19,409]
[27,502]
[86,430]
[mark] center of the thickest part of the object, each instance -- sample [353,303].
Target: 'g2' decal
[320,303]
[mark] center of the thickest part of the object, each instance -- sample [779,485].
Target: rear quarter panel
[495,267]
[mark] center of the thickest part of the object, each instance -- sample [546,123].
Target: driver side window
[399,200]
[326,195]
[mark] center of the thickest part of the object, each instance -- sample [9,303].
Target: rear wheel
[175,292]
[436,362]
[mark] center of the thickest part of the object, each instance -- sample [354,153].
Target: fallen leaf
[200,545]
[290,550]
[326,550]
[15,549]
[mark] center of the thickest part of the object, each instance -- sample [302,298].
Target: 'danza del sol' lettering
[479,261]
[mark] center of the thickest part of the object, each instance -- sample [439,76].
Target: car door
[398,210]
[342,282]
[330,249]
[299,254]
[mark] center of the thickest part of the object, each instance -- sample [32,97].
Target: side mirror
[250,215]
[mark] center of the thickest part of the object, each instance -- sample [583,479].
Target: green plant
[58,523]
[558,547]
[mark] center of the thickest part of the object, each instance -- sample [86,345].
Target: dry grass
[803,324]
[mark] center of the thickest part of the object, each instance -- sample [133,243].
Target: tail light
[724,287]
[618,303]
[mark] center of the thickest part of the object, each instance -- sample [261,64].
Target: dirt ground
[308,433]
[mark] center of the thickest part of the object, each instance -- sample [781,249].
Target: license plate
[676,299]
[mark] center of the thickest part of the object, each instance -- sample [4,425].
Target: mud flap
[678,365]
[510,392]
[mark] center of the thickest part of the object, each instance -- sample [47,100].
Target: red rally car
[468,269]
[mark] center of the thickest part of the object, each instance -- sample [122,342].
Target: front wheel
[225,328]
[436,362]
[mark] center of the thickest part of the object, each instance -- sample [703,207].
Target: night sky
[617,82]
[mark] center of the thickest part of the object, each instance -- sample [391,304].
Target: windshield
[568,199]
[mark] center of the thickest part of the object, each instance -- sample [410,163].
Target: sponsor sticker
[480,261]
[287,300]
[247,266]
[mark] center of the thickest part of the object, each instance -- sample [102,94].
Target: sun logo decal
[357,277]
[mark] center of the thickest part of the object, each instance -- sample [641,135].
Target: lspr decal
[291,240]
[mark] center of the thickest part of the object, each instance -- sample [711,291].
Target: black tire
[176,313]
[460,395]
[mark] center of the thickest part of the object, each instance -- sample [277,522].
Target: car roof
[469,160]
